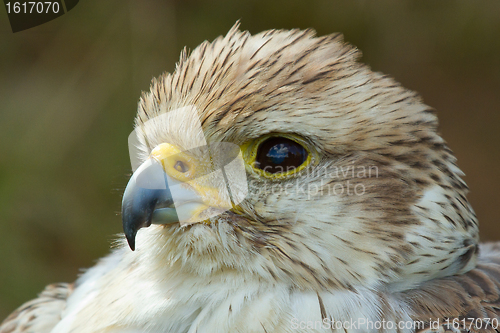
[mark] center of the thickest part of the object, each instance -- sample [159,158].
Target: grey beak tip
[130,235]
[140,201]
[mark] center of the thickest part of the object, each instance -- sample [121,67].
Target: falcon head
[346,182]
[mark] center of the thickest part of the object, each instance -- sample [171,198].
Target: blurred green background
[69,90]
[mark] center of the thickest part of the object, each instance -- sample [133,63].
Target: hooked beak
[172,187]
[146,190]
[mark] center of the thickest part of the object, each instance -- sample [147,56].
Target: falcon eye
[280,155]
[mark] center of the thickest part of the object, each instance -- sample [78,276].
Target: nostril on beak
[181,167]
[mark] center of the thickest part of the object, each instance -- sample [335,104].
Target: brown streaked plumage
[399,244]
[40,314]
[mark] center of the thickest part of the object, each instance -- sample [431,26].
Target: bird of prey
[353,215]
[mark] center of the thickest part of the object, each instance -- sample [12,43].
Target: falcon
[280,186]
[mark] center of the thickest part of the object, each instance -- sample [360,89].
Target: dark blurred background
[69,91]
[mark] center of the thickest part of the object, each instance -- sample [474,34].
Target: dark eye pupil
[280,155]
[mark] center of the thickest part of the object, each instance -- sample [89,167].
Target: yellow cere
[250,148]
[171,157]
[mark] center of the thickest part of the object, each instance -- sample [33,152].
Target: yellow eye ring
[251,150]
